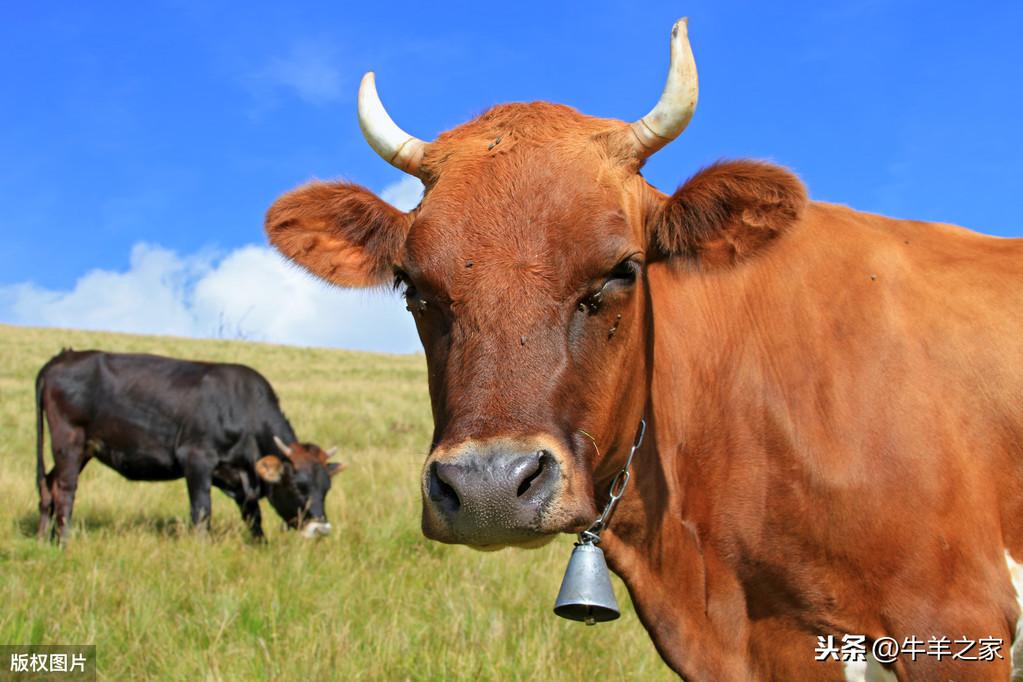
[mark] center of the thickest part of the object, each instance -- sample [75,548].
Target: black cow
[154,418]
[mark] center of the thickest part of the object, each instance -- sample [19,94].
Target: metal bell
[586,592]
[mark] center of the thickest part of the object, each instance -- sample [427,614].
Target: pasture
[375,600]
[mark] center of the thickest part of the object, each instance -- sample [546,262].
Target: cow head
[297,479]
[525,268]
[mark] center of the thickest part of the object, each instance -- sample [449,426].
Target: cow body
[834,400]
[836,446]
[153,418]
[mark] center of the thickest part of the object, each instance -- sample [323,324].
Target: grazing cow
[152,418]
[834,399]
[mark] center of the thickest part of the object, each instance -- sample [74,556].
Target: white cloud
[149,297]
[309,70]
[404,194]
[251,292]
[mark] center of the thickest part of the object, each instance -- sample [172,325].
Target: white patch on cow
[1016,571]
[315,529]
[855,671]
[868,671]
[877,672]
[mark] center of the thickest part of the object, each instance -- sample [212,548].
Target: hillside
[375,600]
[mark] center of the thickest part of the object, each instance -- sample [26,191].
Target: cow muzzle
[489,495]
[316,528]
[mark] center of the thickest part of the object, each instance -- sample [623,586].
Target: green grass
[375,600]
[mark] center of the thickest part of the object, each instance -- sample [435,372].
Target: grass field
[375,600]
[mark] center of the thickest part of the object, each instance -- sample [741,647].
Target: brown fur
[834,417]
[729,211]
[340,232]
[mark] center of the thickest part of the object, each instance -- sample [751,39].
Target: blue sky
[146,140]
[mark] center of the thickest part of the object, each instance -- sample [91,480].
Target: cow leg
[966,618]
[248,504]
[45,505]
[69,459]
[247,496]
[199,477]
[252,517]
[237,483]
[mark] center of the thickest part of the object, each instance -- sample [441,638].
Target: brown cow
[834,399]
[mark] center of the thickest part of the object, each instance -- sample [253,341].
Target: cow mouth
[316,529]
[499,534]
[311,528]
[534,543]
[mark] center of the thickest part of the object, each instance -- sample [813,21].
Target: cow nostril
[441,491]
[541,462]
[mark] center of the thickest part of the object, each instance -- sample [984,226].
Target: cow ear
[340,232]
[335,468]
[270,468]
[728,212]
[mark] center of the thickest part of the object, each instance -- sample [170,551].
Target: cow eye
[622,275]
[626,271]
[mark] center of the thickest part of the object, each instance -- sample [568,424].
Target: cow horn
[330,452]
[671,114]
[282,446]
[393,144]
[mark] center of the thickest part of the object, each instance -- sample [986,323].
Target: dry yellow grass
[373,601]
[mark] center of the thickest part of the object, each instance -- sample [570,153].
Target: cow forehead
[540,251]
[306,456]
[507,127]
[526,202]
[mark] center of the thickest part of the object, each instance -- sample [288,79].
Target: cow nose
[498,496]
